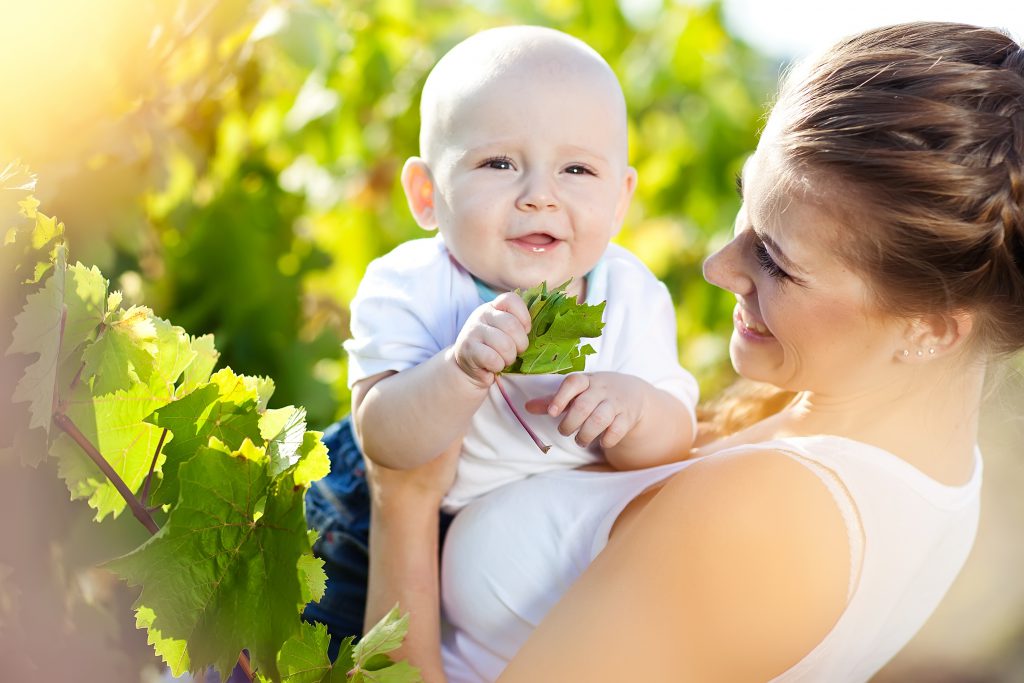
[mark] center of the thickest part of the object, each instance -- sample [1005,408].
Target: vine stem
[138,509]
[152,468]
[544,448]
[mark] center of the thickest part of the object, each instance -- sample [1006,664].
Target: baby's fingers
[573,386]
[512,303]
[538,406]
[599,420]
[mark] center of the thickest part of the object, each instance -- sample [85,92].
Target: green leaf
[38,330]
[86,299]
[218,574]
[396,672]
[558,325]
[224,409]
[314,462]
[174,353]
[171,650]
[344,661]
[314,580]
[385,636]
[303,659]
[114,424]
[16,185]
[283,429]
[124,354]
[199,370]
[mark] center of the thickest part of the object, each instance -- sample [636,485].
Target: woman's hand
[422,486]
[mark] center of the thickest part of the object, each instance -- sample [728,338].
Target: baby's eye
[579,169]
[501,163]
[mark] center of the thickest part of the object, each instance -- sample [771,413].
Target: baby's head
[523,164]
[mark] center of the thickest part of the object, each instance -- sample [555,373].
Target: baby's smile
[537,242]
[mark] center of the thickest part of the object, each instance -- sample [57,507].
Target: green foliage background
[242,168]
[233,165]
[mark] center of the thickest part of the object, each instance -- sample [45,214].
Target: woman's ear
[938,334]
[418,183]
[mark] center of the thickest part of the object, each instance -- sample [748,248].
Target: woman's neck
[929,419]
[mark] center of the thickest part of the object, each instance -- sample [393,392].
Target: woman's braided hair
[921,125]
[916,134]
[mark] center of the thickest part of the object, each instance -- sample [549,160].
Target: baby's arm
[637,424]
[405,419]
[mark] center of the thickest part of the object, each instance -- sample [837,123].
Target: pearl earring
[931,351]
[920,353]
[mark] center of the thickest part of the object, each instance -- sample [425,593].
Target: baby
[524,174]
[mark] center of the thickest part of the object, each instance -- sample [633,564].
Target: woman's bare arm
[734,571]
[404,562]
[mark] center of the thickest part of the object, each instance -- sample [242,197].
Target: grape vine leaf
[225,408]
[199,370]
[314,462]
[171,650]
[56,321]
[558,325]
[38,330]
[124,354]
[114,424]
[314,579]
[220,575]
[86,300]
[303,659]
[16,186]
[174,353]
[283,429]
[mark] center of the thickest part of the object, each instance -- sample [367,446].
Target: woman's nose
[725,268]
[538,193]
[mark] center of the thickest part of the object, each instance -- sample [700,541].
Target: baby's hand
[601,404]
[494,335]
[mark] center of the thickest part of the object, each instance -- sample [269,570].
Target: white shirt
[511,555]
[412,303]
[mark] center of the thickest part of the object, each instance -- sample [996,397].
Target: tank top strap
[847,508]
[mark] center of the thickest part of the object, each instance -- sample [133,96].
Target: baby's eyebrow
[576,149]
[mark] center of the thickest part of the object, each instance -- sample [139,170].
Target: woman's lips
[750,328]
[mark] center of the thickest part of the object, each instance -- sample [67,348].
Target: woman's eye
[767,263]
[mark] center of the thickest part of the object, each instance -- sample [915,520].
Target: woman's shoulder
[761,481]
[764,542]
[736,568]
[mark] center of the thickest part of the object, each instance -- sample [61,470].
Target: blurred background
[234,166]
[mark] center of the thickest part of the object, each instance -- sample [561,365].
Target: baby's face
[531,178]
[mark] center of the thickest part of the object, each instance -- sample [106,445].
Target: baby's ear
[625,197]
[418,184]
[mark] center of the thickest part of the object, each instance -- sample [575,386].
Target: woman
[878,267]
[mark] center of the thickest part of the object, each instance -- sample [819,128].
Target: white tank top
[511,555]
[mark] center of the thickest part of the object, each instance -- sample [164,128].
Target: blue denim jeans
[338,507]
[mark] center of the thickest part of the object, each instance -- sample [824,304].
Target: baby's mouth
[536,241]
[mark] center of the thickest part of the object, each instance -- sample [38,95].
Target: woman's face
[803,320]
